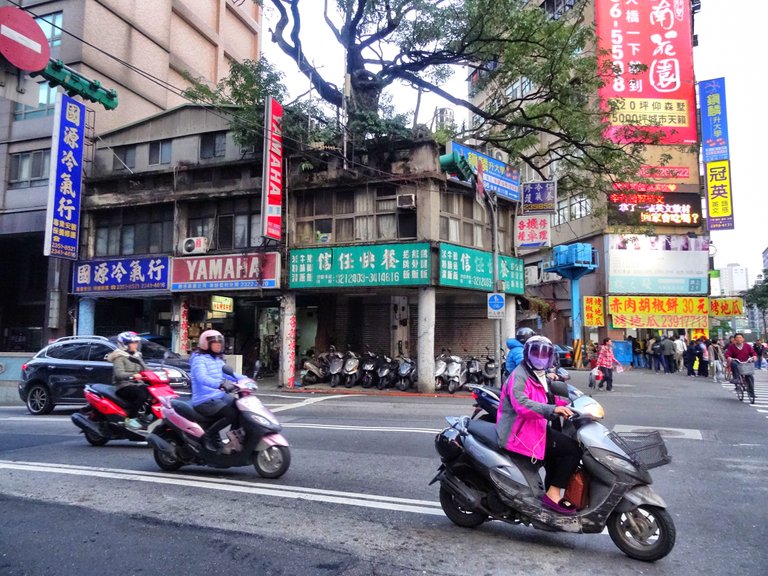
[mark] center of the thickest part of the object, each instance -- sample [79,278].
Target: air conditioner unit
[194,245]
[406,201]
[531,275]
[550,277]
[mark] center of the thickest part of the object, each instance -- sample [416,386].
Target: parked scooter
[351,371]
[178,439]
[441,363]
[490,370]
[386,371]
[406,373]
[368,368]
[474,370]
[455,372]
[335,366]
[104,417]
[481,482]
[315,370]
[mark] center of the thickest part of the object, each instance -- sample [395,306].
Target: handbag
[577,491]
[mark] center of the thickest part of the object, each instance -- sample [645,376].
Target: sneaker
[556,507]
[132,423]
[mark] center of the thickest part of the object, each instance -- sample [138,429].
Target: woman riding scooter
[127,362]
[208,387]
[528,420]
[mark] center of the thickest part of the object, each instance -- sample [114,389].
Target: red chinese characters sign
[593,311]
[656,312]
[272,173]
[646,56]
[532,231]
[726,307]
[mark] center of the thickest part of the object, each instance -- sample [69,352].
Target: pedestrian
[716,358]
[637,361]
[703,354]
[679,352]
[690,358]
[668,351]
[605,362]
[643,344]
[759,350]
[649,352]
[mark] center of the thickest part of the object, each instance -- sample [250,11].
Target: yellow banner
[699,333]
[659,321]
[719,198]
[657,305]
[726,307]
[593,311]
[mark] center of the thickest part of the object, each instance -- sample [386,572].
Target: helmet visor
[541,355]
[216,338]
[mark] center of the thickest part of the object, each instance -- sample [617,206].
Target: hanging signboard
[646,56]
[498,177]
[593,311]
[235,272]
[222,304]
[540,197]
[134,274]
[62,226]
[714,120]
[272,172]
[469,268]
[663,208]
[719,195]
[532,231]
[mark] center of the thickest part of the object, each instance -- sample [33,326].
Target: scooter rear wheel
[457,513]
[167,462]
[646,533]
[272,462]
[95,440]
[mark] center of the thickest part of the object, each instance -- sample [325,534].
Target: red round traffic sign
[22,41]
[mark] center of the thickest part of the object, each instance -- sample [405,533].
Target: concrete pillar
[509,324]
[288,340]
[426,340]
[86,316]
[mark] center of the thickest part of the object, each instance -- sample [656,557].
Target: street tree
[757,296]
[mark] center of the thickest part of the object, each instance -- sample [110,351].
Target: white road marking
[361,428]
[685,433]
[309,401]
[221,484]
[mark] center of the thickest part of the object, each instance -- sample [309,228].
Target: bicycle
[745,381]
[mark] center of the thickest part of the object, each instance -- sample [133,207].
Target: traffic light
[454,163]
[75,84]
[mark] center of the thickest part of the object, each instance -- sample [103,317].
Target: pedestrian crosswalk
[761,392]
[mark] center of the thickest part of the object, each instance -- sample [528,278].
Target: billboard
[646,58]
[719,195]
[662,208]
[469,268]
[664,264]
[234,272]
[62,225]
[498,177]
[272,172]
[714,120]
[533,231]
[132,274]
[651,312]
[540,197]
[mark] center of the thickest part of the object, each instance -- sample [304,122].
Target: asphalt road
[356,499]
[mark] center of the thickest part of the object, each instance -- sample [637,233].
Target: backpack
[656,348]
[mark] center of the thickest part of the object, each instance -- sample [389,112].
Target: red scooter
[104,417]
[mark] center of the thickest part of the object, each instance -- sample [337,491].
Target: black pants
[561,458]
[222,410]
[607,377]
[134,397]
[669,363]
[703,367]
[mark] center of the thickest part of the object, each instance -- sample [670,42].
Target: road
[356,499]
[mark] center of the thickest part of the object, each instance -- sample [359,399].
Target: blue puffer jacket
[515,354]
[207,374]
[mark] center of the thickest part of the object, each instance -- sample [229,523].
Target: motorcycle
[474,371]
[406,373]
[104,417]
[368,368]
[335,366]
[178,438]
[490,370]
[386,371]
[441,363]
[351,369]
[479,482]
[456,372]
[315,370]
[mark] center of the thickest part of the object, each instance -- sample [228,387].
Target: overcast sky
[731,45]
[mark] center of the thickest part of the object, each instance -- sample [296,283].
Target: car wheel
[39,401]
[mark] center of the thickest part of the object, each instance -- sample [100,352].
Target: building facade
[162,41]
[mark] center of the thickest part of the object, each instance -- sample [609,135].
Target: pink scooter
[177,440]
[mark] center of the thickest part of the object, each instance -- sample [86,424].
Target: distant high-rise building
[734,279]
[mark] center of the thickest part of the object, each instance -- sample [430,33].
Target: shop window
[213,145]
[124,158]
[29,169]
[159,152]
[46,102]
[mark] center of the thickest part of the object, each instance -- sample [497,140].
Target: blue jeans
[637,360]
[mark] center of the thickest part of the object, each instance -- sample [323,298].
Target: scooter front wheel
[646,533]
[349,381]
[167,462]
[95,440]
[335,380]
[402,384]
[272,462]
[452,386]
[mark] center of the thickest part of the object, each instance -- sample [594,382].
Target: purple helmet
[539,353]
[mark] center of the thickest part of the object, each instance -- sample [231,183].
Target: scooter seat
[188,411]
[485,432]
[108,391]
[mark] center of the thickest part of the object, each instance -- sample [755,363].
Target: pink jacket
[523,413]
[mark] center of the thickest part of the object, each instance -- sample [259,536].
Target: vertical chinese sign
[646,57]
[532,231]
[62,227]
[715,151]
[593,311]
[272,173]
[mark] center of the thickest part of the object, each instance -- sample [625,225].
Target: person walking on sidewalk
[653,361]
[690,358]
[717,359]
[605,362]
[679,352]
[703,354]
[668,351]
[759,348]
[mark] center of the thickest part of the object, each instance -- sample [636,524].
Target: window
[145,230]
[160,152]
[557,8]
[46,102]
[29,169]
[70,351]
[572,208]
[98,352]
[463,220]
[230,224]
[124,157]
[213,145]
[51,26]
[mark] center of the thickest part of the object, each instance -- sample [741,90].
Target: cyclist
[743,352]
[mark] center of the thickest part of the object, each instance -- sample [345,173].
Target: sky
[731,46]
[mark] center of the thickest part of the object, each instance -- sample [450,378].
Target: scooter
[406,373]
[455,372]
[104,417]
[315,370]
[474,371]
[351,370]
[386,371]
[481,482]
[441,363]
[178,438]
[335,366]
[368,368]
[490,370]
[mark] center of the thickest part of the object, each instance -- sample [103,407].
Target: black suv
[59,372]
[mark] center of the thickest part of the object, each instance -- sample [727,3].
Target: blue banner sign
[62,227]
[147,273]
[714,120]
[498,177]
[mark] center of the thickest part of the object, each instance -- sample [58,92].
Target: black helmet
[523,334]
[447,444]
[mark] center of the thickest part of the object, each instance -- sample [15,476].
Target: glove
[228,386]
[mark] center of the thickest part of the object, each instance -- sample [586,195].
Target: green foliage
[757,296]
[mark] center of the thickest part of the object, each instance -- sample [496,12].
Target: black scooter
[368,369]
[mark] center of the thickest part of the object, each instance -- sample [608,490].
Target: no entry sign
[22,41]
